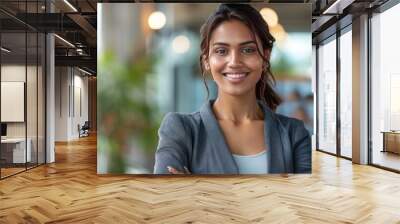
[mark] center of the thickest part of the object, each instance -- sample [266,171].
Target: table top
[391,132]
[13,140]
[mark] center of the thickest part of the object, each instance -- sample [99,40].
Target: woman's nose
[234,59]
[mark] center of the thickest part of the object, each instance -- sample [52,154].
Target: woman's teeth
[235,76]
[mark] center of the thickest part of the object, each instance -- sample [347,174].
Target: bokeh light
[181,44]
[157,20]
[279,33]
[269,16]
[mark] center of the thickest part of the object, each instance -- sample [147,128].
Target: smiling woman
[238,132]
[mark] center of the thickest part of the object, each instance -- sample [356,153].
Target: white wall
[61,103]
[71,93]
[81,84]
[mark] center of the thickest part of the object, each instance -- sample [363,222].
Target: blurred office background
[148,66]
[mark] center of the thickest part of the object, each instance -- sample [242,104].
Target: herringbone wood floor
[69,191]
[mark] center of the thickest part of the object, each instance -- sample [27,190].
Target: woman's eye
[248,50]
[220,51]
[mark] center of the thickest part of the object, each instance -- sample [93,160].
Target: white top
[252,164]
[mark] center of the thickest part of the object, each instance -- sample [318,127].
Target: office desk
[15,148]
[391,141]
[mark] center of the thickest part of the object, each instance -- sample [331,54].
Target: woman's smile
[235,77]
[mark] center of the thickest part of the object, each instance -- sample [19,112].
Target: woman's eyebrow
[248,42]
[220,43]
[243,43]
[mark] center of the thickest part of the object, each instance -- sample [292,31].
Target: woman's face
[233,60]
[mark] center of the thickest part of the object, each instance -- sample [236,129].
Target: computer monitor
[3,129]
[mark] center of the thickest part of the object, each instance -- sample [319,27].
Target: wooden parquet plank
[70,191]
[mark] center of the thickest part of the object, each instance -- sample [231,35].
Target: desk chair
[84,130]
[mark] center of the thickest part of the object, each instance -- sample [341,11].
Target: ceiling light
[70,5]
[157,20]
[5,49]
[337,7]
[84,71]
[64,40]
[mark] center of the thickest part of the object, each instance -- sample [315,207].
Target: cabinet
[391,141]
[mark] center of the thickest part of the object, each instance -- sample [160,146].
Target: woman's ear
[267,54]
[206,64]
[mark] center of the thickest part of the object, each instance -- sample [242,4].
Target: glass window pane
[385,85]
[14,153]
[31,97]
[41,98]
[327,97]
[346,94]
[22,89]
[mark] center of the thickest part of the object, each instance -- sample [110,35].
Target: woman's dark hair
[252,19]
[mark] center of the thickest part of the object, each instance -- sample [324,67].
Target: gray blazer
[196,141]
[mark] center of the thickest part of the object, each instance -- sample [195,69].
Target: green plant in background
[282,68]
[125,110]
